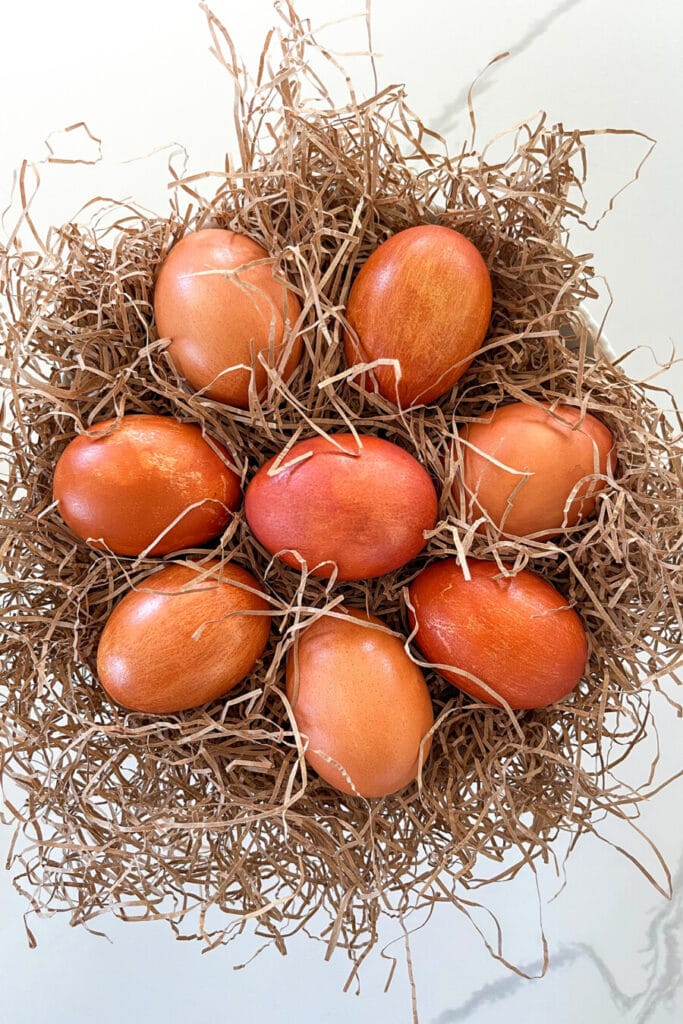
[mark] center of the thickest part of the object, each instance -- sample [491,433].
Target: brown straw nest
[208,818]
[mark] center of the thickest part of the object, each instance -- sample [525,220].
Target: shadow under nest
[208,818]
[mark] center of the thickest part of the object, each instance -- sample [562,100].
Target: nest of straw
[208,819]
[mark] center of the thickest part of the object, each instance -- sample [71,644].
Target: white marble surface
[140,75]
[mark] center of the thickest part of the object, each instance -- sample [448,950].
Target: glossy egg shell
[359,700]
[216,322]
[364,509]
[559,448]
[515,634]
[121,491]
[423,298]
[182,638]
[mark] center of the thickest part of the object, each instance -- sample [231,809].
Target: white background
[141,76]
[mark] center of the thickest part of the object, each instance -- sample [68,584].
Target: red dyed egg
[183,638]
[363,508]
[221,309]
[513,633]
[540,458]
[151,477]
[422,298]
[361,704]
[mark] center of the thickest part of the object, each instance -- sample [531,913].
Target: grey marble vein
[452,112]
[664,963]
